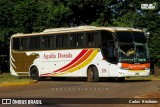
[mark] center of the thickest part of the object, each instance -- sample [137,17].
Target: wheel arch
[92,73]
[31,67]
[92,66]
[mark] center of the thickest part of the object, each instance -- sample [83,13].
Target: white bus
[83,51]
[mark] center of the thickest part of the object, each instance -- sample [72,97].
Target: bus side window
[90,39]
[34,42]
[76,40]
[16,43]
[96,39]
[65,41]
[62,41]
[24,43]
[58,41]
[108,46]
[72,40]
[46,42]
[111,49]
[80,39]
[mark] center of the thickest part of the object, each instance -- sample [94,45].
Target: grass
[7,77]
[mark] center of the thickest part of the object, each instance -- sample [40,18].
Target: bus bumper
[130,73]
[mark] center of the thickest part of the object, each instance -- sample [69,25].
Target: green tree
[25,15]
[6,24]
[36,15]
[150,19]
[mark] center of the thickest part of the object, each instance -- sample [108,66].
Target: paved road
[80,89]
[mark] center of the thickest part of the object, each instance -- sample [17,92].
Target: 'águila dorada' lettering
[60,55]
[49,56]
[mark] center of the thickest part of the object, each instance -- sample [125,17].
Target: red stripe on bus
[82,59]
[73,61]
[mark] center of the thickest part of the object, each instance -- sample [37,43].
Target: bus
[83,51]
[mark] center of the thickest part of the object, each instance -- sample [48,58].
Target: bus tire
[34,74]
[92,74]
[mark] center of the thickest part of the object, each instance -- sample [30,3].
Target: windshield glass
[124,37]
[126,53]
[141,53]
[132,47]
[132,53]
[139,37]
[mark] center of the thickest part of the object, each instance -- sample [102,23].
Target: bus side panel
[102,66]
[56,63]
[113,69]
[21,62]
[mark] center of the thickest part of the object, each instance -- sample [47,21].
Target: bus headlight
[147,68]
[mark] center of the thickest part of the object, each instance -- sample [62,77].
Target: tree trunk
[156,70]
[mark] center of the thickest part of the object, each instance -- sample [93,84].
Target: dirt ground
[149,95]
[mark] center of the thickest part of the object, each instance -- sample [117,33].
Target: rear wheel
[92,74]
[34,74]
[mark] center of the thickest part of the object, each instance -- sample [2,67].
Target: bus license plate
[136,73]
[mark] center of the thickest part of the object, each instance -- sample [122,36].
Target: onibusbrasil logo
[149,6]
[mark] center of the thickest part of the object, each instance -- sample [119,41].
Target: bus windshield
[123,36]
[132,47]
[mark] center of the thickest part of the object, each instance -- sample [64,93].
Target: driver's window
[108,46]
[111,49]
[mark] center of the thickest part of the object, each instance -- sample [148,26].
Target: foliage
[36,15]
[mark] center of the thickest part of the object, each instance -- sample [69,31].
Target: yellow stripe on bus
[136,70]
[90,58]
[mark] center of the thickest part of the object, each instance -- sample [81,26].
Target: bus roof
[76,29]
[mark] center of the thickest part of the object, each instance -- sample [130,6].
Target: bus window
[90,39]
[65,41]
[16,43]
[34,42]
[80,38]
[108,47]
[76,40]
[139,37]
[72,41]
[96,39]
[106,36]
[46,42]
[61,41]
[58,41]
[24,43]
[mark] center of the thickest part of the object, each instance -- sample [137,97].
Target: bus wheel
[121,79]
[92,74]
[34,74]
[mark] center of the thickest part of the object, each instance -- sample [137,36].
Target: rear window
[16,43]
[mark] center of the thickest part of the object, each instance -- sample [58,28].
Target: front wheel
[92,74]
[34,74]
